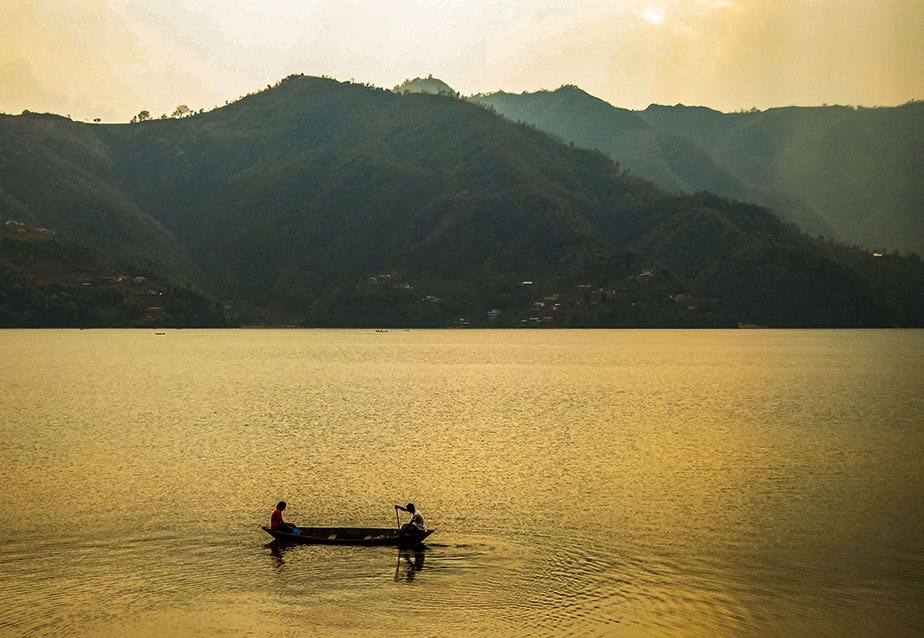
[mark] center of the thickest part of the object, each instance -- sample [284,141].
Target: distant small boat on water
[367,536]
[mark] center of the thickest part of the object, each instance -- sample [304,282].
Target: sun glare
[653,14]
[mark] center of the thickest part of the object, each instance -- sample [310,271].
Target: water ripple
[581,482]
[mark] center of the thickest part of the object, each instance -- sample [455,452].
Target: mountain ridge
[838,171]
[322,203]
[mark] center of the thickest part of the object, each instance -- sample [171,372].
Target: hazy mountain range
[852,174]
[323,203]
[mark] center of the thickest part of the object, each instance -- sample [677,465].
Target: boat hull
[364,536]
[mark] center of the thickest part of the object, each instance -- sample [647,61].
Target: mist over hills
[323,203]
[852,174]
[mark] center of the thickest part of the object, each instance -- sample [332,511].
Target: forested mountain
[335,204]
[853,174]
[60,175]
[74,249]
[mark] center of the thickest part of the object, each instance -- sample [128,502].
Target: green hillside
[72,243]
[60,175]
[50,279]
[846,173]
[335,204]
[860,167]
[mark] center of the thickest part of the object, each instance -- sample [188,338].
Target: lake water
[749,482]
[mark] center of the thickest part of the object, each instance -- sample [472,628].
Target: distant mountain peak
[679,106]
[570,88]
[428,84]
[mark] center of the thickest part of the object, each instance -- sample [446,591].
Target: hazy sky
[111,58]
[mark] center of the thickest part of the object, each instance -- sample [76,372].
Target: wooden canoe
[367,536]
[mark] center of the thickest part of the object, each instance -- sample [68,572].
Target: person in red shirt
[276,521]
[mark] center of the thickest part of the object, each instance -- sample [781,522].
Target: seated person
[276,522]
[417,521]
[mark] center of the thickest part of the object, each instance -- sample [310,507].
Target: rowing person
[276,522]
[417,521]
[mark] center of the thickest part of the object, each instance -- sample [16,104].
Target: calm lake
[581,482]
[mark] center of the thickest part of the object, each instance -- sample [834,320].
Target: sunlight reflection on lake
[591,482]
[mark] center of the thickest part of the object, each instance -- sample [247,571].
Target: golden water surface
[580,482]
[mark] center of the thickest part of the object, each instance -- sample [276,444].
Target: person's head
[281,505]
[411,508]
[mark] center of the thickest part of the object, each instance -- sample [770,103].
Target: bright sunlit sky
[111,58]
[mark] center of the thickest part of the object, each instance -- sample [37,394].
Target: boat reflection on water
[277,549]
[412,561]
